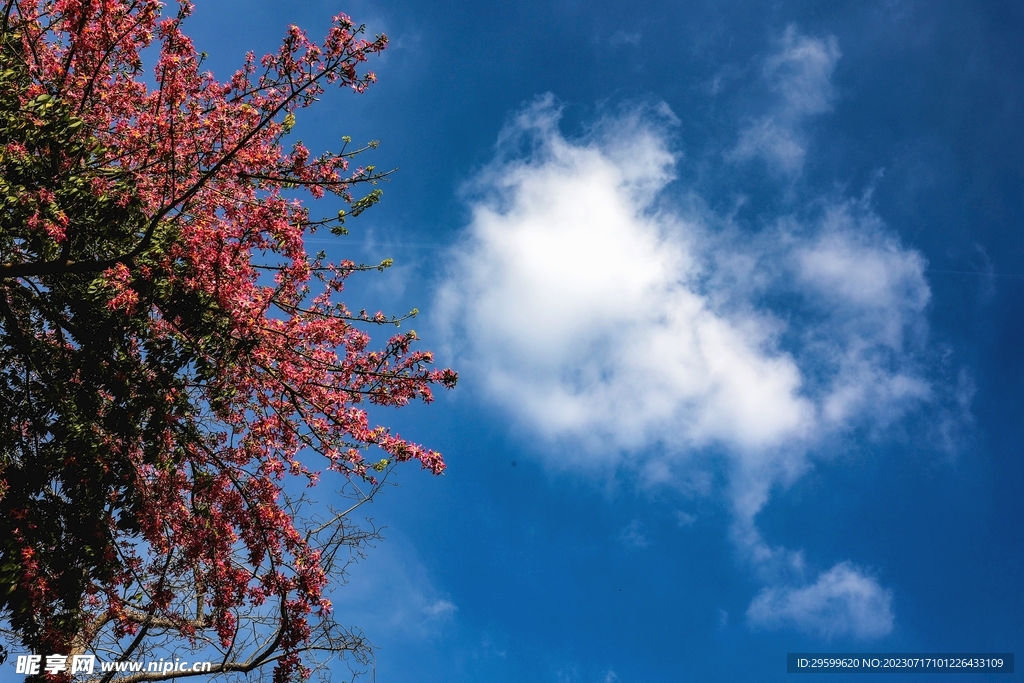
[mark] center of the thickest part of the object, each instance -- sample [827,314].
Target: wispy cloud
[842,602]
[633,535]
[625,38]
[440,608]
[390,595]
[799,74]
[871,295]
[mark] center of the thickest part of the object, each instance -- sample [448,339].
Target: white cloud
[579,310]
[800,76]
[842,602]
[633,535]
[685,519]
[863,301]
[801,73]
[440,608]
[855,268]
[778,142]
[599,317]
[625,333]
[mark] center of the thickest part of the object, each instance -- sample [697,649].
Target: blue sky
[734,292]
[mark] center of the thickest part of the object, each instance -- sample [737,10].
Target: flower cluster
[173,354]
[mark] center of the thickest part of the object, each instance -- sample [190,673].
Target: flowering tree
[175,369]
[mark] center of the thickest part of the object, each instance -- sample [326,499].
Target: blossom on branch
[171,357]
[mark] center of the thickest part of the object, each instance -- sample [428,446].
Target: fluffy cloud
[580,312]
[800,76]
[626,332]
[842,602]
[593,313]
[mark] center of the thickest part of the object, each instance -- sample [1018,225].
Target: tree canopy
[170,353]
